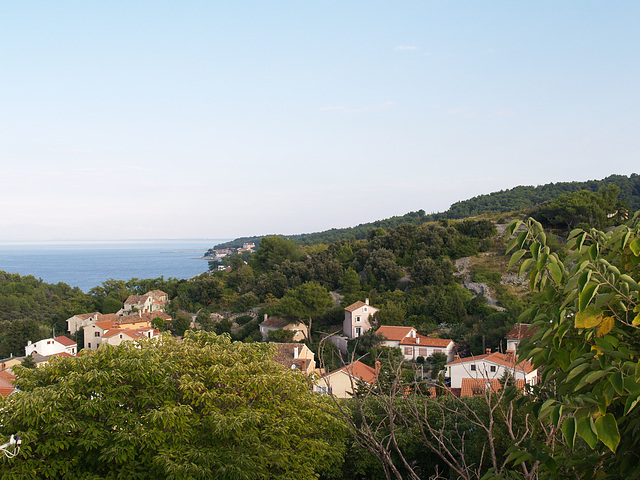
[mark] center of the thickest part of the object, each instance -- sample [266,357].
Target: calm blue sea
[87,265]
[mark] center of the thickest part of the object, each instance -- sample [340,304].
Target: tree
[202,408]
[308,301]
[436,362]
[273,251]
[587,344]
[181,323]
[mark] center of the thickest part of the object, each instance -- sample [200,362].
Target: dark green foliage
[527,197]
[181,323]
[281,336]
[436,363]
[273,251]
[581,208]
[202,408]
[28,362]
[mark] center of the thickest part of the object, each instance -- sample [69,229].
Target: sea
[88,264]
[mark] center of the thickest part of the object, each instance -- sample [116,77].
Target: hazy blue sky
[194,119]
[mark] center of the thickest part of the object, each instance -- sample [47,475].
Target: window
[365,309]
[492,368]
[96,334]
[358,319]
[473,367]
[408,350]
[358,331]
[423,352]
[89,344]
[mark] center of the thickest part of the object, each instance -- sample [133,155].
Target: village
[141,315]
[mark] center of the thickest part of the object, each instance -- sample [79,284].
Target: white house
[357,319]
[489,367]
[52,346]
[414,345]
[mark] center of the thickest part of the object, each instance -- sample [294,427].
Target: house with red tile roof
[490,366]
[414,345]
[270,324]
[296,356]
[50,346]
[115,336]
[153,301]
[519,332]
[342,382]
[357,319]
[76,322]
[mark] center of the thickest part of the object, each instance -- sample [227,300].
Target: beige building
[342,382]
[296,356]
[270,324]
[357,319]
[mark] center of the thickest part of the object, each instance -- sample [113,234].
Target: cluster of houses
[219,254]
[134,321]
[469,376]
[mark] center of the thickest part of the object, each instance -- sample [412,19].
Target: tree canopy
[198,409]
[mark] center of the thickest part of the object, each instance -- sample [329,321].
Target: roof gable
[394,333]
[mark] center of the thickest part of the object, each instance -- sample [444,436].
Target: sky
[208,119]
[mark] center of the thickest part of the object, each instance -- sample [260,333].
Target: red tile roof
[275,322]
[104,325]
[393,333]
[359,370]
[359,304]
[476,386]
[521,331]
[7,376]
[6,388]
[426,341]
[506,360]
[67,342]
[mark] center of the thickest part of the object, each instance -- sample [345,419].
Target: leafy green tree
[202,408]
[181,323]
[350,282]
[587,312]
[436,362]
[273,251]
[281,335]
[28,362]
[308,301]
[382,268]
[392,313]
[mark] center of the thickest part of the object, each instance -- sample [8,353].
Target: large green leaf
[616,381]
[586,429]
[569,430]
[516,257]
[587,294]
[635,247]
[607,430]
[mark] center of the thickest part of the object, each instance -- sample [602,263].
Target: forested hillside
[521,198]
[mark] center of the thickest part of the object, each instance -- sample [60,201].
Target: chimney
[456,357]
[377,366]
[295,352]
[417,339]
[265,317]
[28,343]
[488,351]
[366,301]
